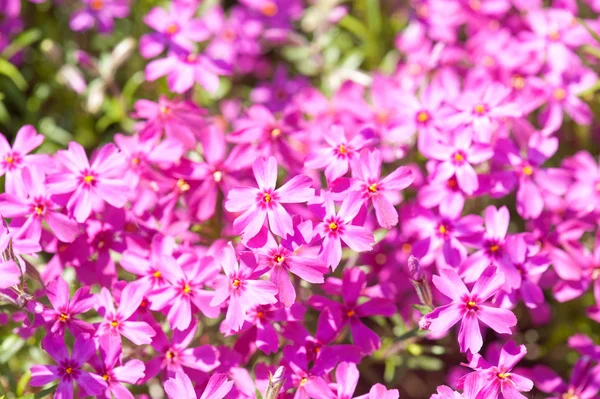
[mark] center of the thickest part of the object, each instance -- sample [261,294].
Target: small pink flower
[181,387]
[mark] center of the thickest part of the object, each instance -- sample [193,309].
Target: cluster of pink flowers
[286,220]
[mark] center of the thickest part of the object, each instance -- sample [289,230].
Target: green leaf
[423,309]
[40,394]
[10,346]
[25,39]
[22,384]
[8,69]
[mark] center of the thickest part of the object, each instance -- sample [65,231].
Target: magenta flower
[65,309]
[469,306]
[175,27]
[68,368]
[116,322]
[115,375]
[10,274]
[583,384]
[338,227]
[457,157]
[335,157]
[241,286]
[282,259]
[186,289]
[184,68]
[100,13]
[181,387]
[501,379]
[353,284]
[14,159]
[89,184]
[379,391]
[36,208]
[584,194]
[382,193]
[258,204]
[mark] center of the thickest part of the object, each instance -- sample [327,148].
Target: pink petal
[499,320]
[469,335]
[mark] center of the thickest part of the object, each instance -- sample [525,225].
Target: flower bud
[275,383]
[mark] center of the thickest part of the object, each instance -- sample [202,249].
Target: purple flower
[89,184]
[382,193]
[351,312]
[116,322]
[241,286]
[14,159]
[258,204]
[501,379]
[469,306]
[181,387]
[583,384]
[68,368]
[64,309]
[100,13]
[337,227]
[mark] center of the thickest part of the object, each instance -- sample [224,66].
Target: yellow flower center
[303,381]
[182,185]
[170,355]
[236,283]
[443,229]
[218,176]
[422,116]
[528,170]
[333,226]
[275,133]
[267,198]
[135,161]
[172,29]
[165,109]
[343,149]
[63,317]
[570,394]
[97,5]
[260,315]
[373,188]
[471,305]
[279,258]
[350,313]
[9,159]
[88,179]
[479,109]
[39,209]
[105,377]
[69,370]
[186,289]
[269,9]
[114,323]
[518,82]
[494,248]
[157,274]
[503,376]
[559,93]
[458,157]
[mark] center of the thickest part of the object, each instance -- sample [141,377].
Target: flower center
[423,116]
[443,229]
[63,317]
[97,5]
[279,258]
[452,183]
[570,394]
[518,82]
[267,198]
[343,150]
[350,313]
[182,185]
[186,289]
[69,370]
[559,93]
[479,109]
[553,35]
[503,376]
[494,248]
[165,109]
[157,274]
[528,170]
[218,176]
[106,377]
[9,159]
[458,157]
[303,381]
[170,354]
[236,283]
[269,9]
[88,179]
[39,209]
[114,324]
[275,133]
[373,188]
[135,161]
[260,315]
[172,29]
[471,305]
[333,226]
[406,248]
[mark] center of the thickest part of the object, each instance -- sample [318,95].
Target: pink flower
[337,227]
[469,306]
[114,374]
[100,13]
[335,157]
[382,193]
[10,274]
[500,380]
[116,322]
[184,68]
[258,204]
[88,184]
[379,391]
[68,368]
[37,207]
[242,287]
[14,159]
[65,310]
[181,387]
